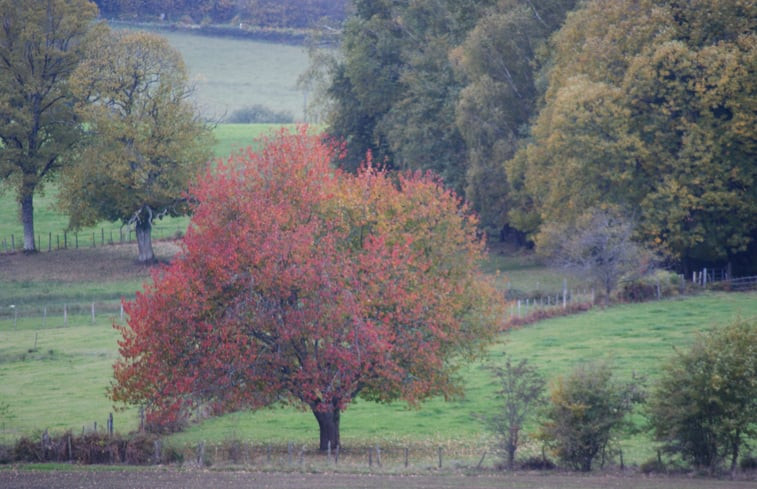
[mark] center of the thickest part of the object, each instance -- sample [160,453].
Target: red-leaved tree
[300,283]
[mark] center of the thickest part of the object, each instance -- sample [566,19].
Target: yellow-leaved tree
[144,139]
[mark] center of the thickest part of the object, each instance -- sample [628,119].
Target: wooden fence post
[564,293]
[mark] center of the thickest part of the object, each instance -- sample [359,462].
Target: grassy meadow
[50,223]
[230,73]
[55,377]
[54,374]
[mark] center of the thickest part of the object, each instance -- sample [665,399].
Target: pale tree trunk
[27,218]
[328,424]
[144,241]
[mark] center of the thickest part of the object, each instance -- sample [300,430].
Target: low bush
[259,114]
[90,448]
[537,463]
[653,286]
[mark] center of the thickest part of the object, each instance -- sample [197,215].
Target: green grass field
[56,377]
[232,73]
[50,224]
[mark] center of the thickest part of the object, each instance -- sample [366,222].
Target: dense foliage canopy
[540,110]
[302,284]
[264,13]
[143,140]
[41,44]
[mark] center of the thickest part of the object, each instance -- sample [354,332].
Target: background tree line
[544,111]
[264,13]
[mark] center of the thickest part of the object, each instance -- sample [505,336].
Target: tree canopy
[143,139]
[303,284]
[264,13]
[41,44]
[538,111]
[647,109]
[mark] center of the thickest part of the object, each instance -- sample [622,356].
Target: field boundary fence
[543,302]
[57,315]
[101,443]
[91,239]
[722,278]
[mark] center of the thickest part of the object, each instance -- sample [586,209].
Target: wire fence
[74,240]
[61,315]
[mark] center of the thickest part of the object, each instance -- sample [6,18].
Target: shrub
[537,463]
[705,405]
[256,114]
[587,408]
[521,389]
[648,287]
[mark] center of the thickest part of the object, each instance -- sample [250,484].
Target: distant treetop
[296,14]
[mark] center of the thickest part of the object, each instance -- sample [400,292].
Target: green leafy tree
[366,83]
[396,89]
[586,410]
[41,44]
[704,406]
[144,141]
[501,62]
[647,108]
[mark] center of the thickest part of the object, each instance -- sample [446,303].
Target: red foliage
[302,283]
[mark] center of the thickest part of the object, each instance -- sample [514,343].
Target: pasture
[55,377]
[230,73]
[50,224]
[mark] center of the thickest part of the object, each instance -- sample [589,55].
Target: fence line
[56,315]
[76,240]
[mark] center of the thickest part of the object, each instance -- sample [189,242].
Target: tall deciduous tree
[41,43]
[647,108]
[304,284]
[395,90]
[501,62]
[144,141]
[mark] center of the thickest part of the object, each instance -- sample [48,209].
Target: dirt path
[83,478]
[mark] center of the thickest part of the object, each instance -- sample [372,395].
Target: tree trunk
[27,218]
[328,423]
[144,241]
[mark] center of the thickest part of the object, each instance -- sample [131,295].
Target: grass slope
[56,378]
[232,73]
[49,222]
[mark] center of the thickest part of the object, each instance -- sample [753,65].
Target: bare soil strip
[12,478]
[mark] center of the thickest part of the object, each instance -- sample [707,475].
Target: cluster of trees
[307,285]
[703,407]
[543,111]
[300,14]
[108,113]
